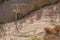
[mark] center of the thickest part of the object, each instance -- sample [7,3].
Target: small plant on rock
[2,21]
[1,1]
[18,14]
[37,7]
[36,38]
[48,3]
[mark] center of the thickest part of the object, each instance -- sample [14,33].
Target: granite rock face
[32,24]
[25,6]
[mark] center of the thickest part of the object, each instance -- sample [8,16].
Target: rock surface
[51,30]
[51,33]
[52,37]
[32,24]
[25,6]
[57,27]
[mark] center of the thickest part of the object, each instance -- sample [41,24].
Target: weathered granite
[25,6]
[32,24]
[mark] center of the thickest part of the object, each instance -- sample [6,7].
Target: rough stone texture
[51,37]
[51,30]
[57,27]
[32,24]
[25,6]
[51,33]
[53,1]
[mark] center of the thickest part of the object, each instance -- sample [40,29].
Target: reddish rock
[50,30]
[51,37]
[57,27]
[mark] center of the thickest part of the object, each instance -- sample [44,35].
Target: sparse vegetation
[1,1]
[37,7]
[48,3]
[36,38]
[18,13]
[2,21]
